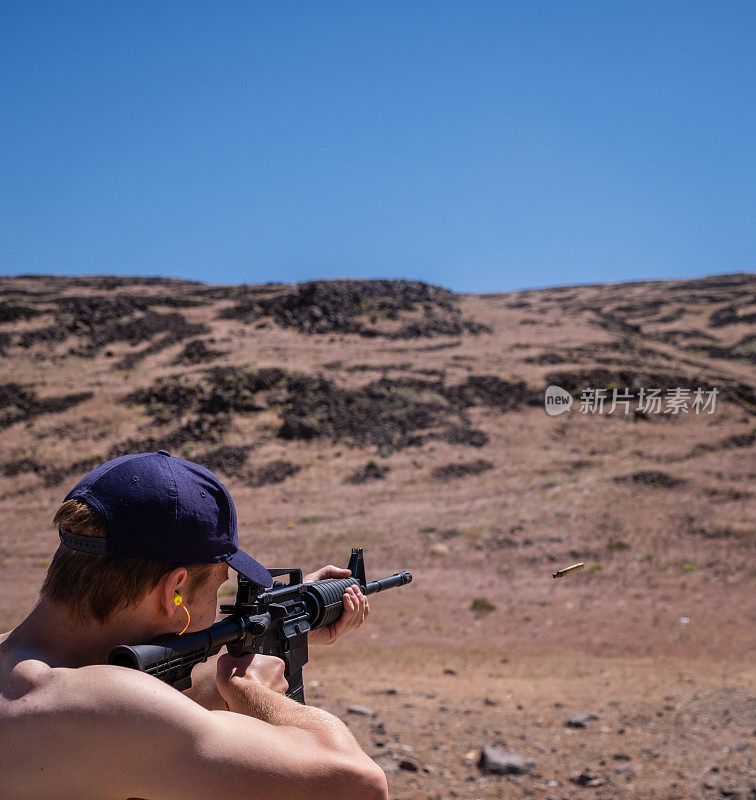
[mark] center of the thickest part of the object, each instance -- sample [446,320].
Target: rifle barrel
[398,579]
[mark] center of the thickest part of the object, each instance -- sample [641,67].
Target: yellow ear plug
[178,601]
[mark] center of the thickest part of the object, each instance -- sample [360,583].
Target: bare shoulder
[123,723]
[138,737]
[106,692]
[97,693]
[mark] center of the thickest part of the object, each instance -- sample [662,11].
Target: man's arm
[142,738]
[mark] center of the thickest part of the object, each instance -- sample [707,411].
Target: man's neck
[53,635]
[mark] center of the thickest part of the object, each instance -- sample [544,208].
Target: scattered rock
[729,316]
[205,404]
[295,427]
[273,472]
[586,778]
[370,472]
[12,313]
[495,761]
[576,721]
[100,320]
[366,307]
[361,711]
[50,474]
[197,352]
[388,413]
[490,390]
[736,440]
[743,351]
[19,402]
[654,478]
[468,436]
[228,460]
[461,470]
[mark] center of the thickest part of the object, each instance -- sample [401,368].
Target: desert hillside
[409,420]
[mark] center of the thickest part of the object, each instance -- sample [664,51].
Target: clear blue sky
[479,145]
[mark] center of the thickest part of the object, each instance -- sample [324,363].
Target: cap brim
[250,569]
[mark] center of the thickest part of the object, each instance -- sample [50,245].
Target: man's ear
[172,582]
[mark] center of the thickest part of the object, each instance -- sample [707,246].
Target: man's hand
[356,607]
[239,678]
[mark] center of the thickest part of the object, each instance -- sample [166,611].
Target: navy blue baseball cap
[157,507]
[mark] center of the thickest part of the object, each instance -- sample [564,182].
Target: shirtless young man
[137,533]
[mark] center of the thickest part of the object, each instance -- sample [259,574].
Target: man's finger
[335,572]
[344,622]
[363,610]
[359,601]
[329,571]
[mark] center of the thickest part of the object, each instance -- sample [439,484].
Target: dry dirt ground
[410,421]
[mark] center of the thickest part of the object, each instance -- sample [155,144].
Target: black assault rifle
[271,621]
